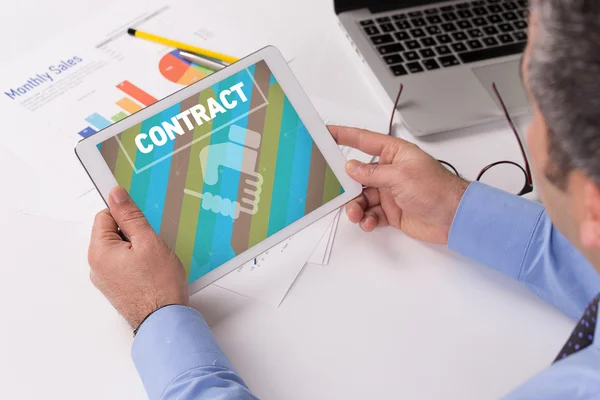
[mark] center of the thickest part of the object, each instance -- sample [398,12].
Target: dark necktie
[583,334]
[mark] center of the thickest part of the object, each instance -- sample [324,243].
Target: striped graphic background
[297,179]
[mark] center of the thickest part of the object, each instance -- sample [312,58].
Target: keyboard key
[431,11]
[520,36]
[390,48]
[417,33]
[402,35]
[367,22]
[411,56]
[490,30]
[381,20]
[414,14]
[443,50]
[492,52]
[434,19]
[505,38]
[494,19]
[403,25]
[478,3]
[371,30]
[510,16]
[494,1]
[462,6]
[448,27]
[490,41]
[448,61]
[509,5]
[428,42]
[506,28]
[398,70]
[430,64]
[523,4]
[495,9]
[414,67]
[412,44]
[475,33]
[444,39]
[474,44]
[480,21]
[464,14]
[427,53]
[393,59]
[449,16]
[523,14]
[398,17]
[520,24]
[382,39]
[459,47]
[479,11]
[433,30]
[418,22]
[459,36]
[387,27]
[464,24]
[447,8]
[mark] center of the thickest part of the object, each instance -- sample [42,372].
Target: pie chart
[181,71]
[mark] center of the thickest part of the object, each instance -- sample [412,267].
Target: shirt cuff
[494,228]
[171,341]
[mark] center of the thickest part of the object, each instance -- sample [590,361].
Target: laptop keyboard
[445,36]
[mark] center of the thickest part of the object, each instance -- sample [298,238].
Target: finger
[128,215]
[391,209]
[375,175]
[374,217]
[105,232]
[372,196]
[366,141]
[105,227]
[355,209]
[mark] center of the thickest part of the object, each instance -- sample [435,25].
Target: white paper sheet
[317,257]
[52,94]
[269,279]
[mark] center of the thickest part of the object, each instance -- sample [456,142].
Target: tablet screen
[222,170]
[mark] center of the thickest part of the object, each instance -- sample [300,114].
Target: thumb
[127,214]
[374,175]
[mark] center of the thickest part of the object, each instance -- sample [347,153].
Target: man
[553,251]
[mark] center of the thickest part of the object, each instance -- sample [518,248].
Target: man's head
[561,69]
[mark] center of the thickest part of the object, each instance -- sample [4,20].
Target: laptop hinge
[402,4]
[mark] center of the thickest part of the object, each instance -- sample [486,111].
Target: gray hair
[564,77]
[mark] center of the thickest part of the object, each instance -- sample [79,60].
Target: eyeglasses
[485,172]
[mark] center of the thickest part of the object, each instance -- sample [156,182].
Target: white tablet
[227,167]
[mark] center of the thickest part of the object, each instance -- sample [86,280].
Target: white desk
[388,318]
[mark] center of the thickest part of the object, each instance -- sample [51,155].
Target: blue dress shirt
[178,357]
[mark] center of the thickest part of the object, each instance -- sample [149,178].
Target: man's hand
[138,276]
[407,188]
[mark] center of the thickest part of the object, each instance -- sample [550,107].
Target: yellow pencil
[182,46]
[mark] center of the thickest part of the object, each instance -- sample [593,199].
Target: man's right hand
[406,188]
[137,276]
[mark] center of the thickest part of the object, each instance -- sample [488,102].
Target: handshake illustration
[239,154]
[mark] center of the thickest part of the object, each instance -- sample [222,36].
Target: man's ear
[590,224]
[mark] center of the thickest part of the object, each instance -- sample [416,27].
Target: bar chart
[135,100]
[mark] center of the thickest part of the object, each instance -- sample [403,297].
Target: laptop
[447,54]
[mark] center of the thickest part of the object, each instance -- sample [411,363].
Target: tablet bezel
[103,179]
